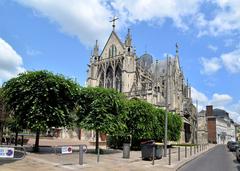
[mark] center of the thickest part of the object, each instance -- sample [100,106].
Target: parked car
[233,146]
[238,154]
[228,143]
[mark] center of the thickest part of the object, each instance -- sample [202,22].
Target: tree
[3,116]
[141,120]
[158,133]
[175,125]
[101,110]
[40,99]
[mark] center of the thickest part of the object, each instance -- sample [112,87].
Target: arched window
[118,76]
[109,78]
[112,51]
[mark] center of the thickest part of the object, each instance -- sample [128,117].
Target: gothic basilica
[159,82]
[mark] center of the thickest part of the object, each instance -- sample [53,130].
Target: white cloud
[32,52]
[220,100]
[200,97]
[231,61]
[210,66]
[212,47]
[88,20]
[152,10]
[225,18]
[10,61]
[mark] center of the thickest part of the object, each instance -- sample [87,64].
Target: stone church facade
[159,82]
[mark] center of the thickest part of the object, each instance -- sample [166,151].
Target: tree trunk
[36,147]
[1,132]
[16,138]
[97,141]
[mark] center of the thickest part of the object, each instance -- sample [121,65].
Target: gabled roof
[111,35]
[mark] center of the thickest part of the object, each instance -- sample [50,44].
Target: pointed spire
[128,41]
[96,48]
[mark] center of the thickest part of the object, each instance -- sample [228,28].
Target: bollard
[197,148]
[178,153]
[169,158]
[98,154]
[126,151]
[153,154]
[191,151]
[81,151]
[194,149]
[185,151]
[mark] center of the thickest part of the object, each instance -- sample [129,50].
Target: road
[217,159]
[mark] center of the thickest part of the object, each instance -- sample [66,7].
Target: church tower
[129,64]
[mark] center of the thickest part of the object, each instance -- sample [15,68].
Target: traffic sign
[6,152]
[67,150]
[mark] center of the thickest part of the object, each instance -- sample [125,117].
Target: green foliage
[101,109]
[175,124]
[40,99]
[140,119]
[158,133]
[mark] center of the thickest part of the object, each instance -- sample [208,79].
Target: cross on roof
[113,21]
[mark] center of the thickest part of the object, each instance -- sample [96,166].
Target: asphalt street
[217,159]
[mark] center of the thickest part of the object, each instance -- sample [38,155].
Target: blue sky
[59,35]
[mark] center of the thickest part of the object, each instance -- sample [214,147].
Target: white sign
[6,152]
[67,150]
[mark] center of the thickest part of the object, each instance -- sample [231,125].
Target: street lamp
[166,113]
[165,133]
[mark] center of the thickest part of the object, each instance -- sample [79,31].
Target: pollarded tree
[40,99]
[158,132]
[141,119]
[175,125]
[101,110]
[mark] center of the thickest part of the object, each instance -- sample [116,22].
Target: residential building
[221,127]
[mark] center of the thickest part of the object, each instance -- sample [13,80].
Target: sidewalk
[111,161]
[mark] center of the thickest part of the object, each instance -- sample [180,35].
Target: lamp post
[166,113]
[165,132]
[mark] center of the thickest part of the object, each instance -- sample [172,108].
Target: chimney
[209,110]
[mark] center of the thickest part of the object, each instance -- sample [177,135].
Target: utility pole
[166,114]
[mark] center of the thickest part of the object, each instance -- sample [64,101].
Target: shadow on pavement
[17,155]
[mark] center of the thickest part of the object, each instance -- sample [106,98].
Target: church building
[160,82]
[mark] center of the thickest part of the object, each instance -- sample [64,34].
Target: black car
[229,143]
[233,146]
